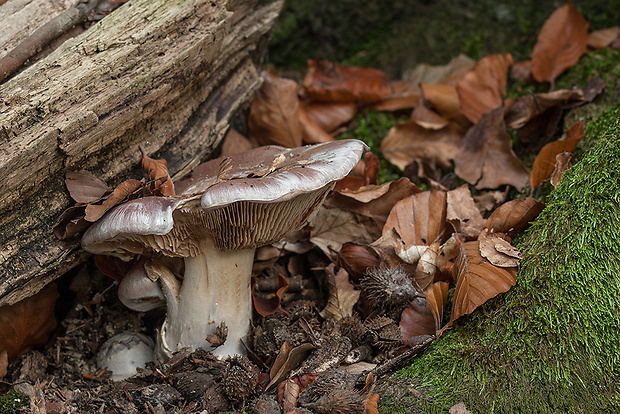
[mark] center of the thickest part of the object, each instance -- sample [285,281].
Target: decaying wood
[166,75]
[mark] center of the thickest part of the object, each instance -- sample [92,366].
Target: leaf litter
[385,268]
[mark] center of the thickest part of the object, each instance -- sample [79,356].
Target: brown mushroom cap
[246,200]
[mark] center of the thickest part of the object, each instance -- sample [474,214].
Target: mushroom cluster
[226,209]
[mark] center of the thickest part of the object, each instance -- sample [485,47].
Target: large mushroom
[227,208]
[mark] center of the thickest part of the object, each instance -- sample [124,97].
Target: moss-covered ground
[551,344]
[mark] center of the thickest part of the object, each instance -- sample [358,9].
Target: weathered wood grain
[166,75]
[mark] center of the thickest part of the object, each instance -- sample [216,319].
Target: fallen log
[166,75]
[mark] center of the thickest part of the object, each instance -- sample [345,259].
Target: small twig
[396,362]
[44,35]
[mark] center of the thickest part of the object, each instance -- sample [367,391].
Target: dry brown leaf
[266,306]
[437,296]
[546,159]
[419,219]
[409,141]
[121,193]
[483,89]
[445,101]
[330,115]
[357,259]
[562,163]
[427,267]
[235,143]
[28,323]
[462,207]
[496,249]
[371,404]
[331,82]
[561,42]
[274,113]
[417,319]
[84,187]
[332,227]
[449,74]
[287,360]
[342,295]
[313,133]
[477,280]
[374,201]
[403,95]
[513,216]
[158,172]
[428,119]
[527,107]
[522,71]
[4,363]
[600,39]
[485,157]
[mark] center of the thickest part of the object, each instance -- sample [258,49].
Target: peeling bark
[164,75]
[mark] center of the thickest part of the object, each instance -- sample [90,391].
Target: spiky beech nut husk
[240,378]
[327,381]
[388,287]
[353,328]
[265,404]
[214,401]
[357,259]
[385,333]
[341,401]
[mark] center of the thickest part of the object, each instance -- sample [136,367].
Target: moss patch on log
[552,343]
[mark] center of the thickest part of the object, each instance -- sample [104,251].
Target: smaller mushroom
[124,353]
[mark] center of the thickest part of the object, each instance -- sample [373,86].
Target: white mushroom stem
[216,288]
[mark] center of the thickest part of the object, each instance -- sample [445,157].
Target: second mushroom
[226,209]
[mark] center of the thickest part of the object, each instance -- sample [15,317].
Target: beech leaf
[417,319]
[477,280]
[409,141]
[497,250]
[332,227]
[483,89]
[513,216]
[274,113]
[462,207]
[561,42]
[332,82]
[485,157]
[545,162]
[287,360]
[419,219]
[125,189]
[158,171]
[268,306]
[437,296]
[84,187]
[600,39]
[28,323]
[342,295]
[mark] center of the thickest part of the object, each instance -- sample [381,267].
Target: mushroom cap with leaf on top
[242,201]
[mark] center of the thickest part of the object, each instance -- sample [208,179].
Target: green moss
[552,343]
[371,127]
[13,402]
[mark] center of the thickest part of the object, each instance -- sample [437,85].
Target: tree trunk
[166,75]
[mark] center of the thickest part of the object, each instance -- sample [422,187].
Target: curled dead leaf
[158,172]
[84,187]
[600,39]
[562,163]
[417,319]
[268,306]
[497,250]
[545,162]
[437,296]
[462,207]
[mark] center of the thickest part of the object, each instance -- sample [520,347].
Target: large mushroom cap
[246,200]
